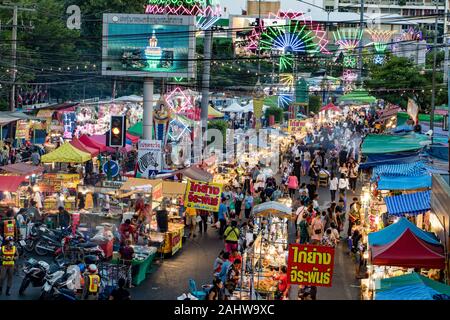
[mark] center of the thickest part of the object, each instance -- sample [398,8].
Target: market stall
[10,190]
[400,249]
[268,252]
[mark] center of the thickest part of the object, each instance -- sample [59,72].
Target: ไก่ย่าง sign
[203,195]
[295,125]
[310,265]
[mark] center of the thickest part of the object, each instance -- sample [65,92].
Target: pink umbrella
[101,139]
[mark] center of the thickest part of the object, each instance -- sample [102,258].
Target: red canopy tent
[11,183]
[81,146]
[409,251]
[331,107]
[132,138]
[92,143]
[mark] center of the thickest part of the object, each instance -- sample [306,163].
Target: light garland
[349,61]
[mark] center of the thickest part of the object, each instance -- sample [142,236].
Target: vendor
[283,287]
[232,278]
[63,218]
[126,231]
[126,253]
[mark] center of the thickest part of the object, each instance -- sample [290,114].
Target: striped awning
[413,169]
[412,203]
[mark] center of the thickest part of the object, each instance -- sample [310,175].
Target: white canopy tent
[234,107]
[249,107]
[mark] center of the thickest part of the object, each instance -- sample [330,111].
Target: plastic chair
[199,294]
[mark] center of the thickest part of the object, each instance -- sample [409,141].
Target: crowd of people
[326,158]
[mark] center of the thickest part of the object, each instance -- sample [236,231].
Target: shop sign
[295,125]
[112,184]
[149,158]
[203,195]
[177,240]
[310,265]
[157,192]
[23,130]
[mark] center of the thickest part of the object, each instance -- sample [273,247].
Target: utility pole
[361,27]
[15,8]
[433,93]
[206,77]
[445,41]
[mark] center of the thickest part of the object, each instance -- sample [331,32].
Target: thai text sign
[310,265]
[203,195]
[295,125]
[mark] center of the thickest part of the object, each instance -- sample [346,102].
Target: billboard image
[148,45]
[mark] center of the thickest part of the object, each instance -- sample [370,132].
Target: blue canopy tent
[412,203]
[412,169]
[404,183]
[411,286]
[390,158]
[394,231]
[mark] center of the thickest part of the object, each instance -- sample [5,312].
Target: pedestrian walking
[9,255]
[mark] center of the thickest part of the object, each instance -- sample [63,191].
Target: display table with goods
[173,238]
[141,263]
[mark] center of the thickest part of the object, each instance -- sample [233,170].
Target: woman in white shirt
[343,184]
[333,186]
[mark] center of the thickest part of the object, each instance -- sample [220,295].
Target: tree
[314,103]
[388,81]
[276,112]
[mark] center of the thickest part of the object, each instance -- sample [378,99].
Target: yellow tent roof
[66,153]
[213,113]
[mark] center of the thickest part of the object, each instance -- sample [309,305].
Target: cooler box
[108,248]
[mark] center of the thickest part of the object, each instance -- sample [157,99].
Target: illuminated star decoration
[347,39]
[380,38]
[349,61]
[287,79]
[286,63]
[411,35]
[349,76]
[284,100]
[378,59]
[293,39]
[178,101]
[320,35]
[255,36]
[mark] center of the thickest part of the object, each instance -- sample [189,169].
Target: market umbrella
[272,208]
[234,107]
[213,113]
[91,143]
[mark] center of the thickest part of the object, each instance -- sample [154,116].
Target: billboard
[141,45]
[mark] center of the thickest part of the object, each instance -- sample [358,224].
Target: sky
[236,6]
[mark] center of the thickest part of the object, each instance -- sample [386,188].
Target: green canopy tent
[381,143]
[357,96]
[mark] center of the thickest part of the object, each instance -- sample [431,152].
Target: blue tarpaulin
[412,203]
[413,169]
[404,183]
[394,231]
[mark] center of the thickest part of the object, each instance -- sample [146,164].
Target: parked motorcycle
[74,251]
[59,286]
[35,273]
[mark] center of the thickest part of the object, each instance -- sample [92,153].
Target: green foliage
[400,74]
[220,125]
[314,103]
[276,112]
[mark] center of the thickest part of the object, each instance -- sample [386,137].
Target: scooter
[35,273]
[75,252]
[58,286]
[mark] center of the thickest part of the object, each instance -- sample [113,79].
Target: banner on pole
[257,111]
[149,158]
[310,265]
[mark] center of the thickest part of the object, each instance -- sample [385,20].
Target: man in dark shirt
[63,217]
[120,294]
